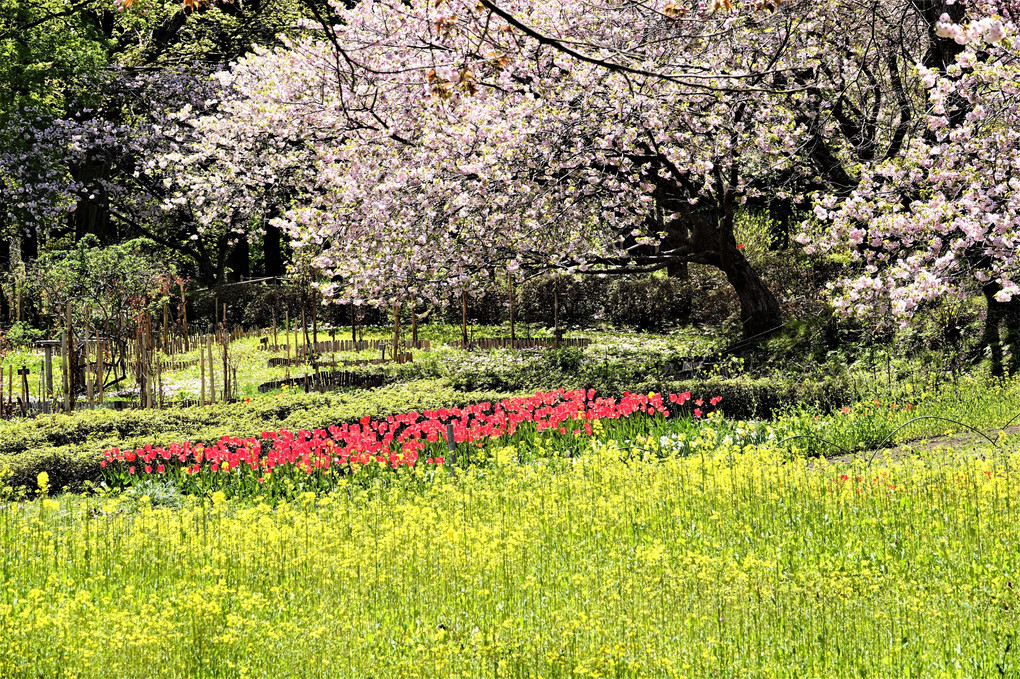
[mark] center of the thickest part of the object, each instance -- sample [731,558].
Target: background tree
[942,219]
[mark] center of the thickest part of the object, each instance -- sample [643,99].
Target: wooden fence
[406,357]
[507,343]
[326,380]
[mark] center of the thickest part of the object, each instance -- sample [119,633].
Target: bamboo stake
[212,373]
[463,311]
[184,319]
[201,376]
[396,328]
[510,285]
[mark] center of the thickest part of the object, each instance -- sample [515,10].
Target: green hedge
[747,399]
[69,447]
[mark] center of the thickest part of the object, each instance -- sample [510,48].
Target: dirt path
[961,440]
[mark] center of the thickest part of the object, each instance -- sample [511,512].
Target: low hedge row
[759,399]
[69,447]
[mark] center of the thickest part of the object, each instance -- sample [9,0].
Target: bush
[581,301]
[648,303]
[747,398]
[21,334]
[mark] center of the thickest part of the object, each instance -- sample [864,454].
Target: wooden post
[69,399]
[556,309]
[286,335]
[100,366]
[184,319]
[304,331]
[463,323]
[143,387]
[275,344]
[47,372]
[63,368]
[166,324]
[89,377]
[201,376]
[315,321]
[159,381]
[510,285]
[414,322]
[24,389]
[212,373]
[396,328]
[226,366]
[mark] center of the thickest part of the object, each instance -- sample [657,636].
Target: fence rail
[326,380]
[341,346]
[507,343]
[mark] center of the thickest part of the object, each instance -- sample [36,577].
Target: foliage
[20,334]
[757,565]
[112,282]
[47,54]
[648,303]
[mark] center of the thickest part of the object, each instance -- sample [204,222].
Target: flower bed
[314,459]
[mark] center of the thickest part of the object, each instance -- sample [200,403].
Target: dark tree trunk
[29,245]
[705,235]
[998,314]
[239,262]
[759,309]
[678,270]
[993,317]
[272,247]
[92,215]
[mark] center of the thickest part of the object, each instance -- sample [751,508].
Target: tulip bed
[281,463]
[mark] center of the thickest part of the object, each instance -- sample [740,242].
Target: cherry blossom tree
[942,220]
[450,139]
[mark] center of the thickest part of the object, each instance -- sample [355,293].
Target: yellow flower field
[734,563]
